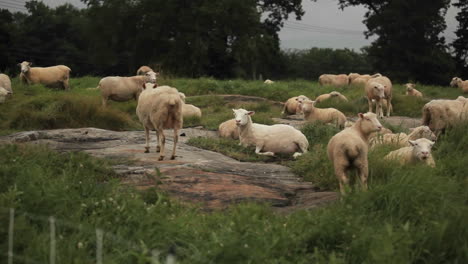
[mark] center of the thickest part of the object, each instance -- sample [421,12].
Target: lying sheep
[143,70]
[334,80]
[160,109]
[411,90]
[361,80]
[348,149]
[292,105]
[440,114]
[268,81]
[327,96]
[419,151]
[48,76]
[5,83]
[269,140]
[189,110]
[458,82]
[123,89]
[402,139]
[325,115]
[377,89]
[228,129]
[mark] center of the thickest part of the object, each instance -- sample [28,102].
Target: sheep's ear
[412,142]
[251,113]
[30,63]
[361,115]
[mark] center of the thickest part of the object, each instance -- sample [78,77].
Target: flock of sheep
[163,107]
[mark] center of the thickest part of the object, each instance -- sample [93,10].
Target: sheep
[419,151]
[327,96]
[269,140]
[361,80]
[5,83]
[334,80]
[189,110]
[349,148]
[143,70]
[292,105]
[268,81]
[402,139]
[326,115]
[411,90]
[353,76]
[160,109]
[48,76]
[123,89]
[441,114]
[457,82]
[228,129]
[3,94]
[379,88]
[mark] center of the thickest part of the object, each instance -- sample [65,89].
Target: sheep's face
[307,105]
[242,116]
[455,81]
[421,148]
[378,90]
[370,123]
[151,76]
[334,94]
[25,66]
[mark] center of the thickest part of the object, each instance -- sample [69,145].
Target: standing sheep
[348,149]
[334,80]
[377,89]
[48,76]
[411,90]
[458,82]
[441,114]
[143,70]
[327,96]
[292,105]
[325,115]
[160,109]
[361,80]
[418,152]
[269,140]
[228,129]
[123,89]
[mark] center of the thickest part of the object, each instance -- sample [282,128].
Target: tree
[461,43]
[409,44]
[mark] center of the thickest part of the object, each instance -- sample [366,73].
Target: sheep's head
[334,94]
[422,132]
[455,81]
[378,89]
[148,86]
[410,86]
[421,148]
[242,116]
[369,123]
[25,66]
[151,76]
[307,105]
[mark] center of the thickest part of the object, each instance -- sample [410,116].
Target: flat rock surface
[196,175]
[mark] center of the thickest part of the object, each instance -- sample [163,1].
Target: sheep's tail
[97,87]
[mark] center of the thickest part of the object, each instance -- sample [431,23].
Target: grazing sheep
[361,80]
[269,140]
[411,90]
[377,89]
[5,83]
[402,139]
[348,149]
[353,76]
[123,89]
[440,114]
[228,129]
[160,109]
[292,105]
[458,82]
[143,70]
[334,80]
[268,81]
[48,76]
[325,115]
[327,96]
[419,151]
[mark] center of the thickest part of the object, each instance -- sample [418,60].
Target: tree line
[229,39]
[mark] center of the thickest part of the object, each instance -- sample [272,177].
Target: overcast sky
[323,25]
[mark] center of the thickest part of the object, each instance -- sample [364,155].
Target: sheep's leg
[259,148]
[162,143]
[104,101]
[65,84]
[158,146]
[147,147]
[363,171]
[379,110]
[303,149]
[389,106]
[369,101]
[176,139]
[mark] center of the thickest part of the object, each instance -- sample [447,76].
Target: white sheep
[377,89]
[228,129]
[189,110]
[123,89]
[334,80]
[160,109]
[269,140]
[325,115]
[292,105]
[143,70]
[327,96]
[458,82]
[3,94]
[361,80]
[419,151]
[5,83]
[411,90]
[402,139]
[268,81]
[48,76]
[441,114]
[348,149]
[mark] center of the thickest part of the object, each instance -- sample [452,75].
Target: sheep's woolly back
[228,129]
[143,69]
[440,114]
[189,110]
[326,115]
[334,80]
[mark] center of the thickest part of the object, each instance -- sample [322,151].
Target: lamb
[379,88]
[143,70]
[440,114]
[402,139]
[269,140]
[228,129]
[268,81]
[123,89]
[160,109]
[326,115]
[348,149]
[292,105]
[411,90]
[5,83]
[418,152]
[49,76]
[457,82]
[327,96]
[334,80]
